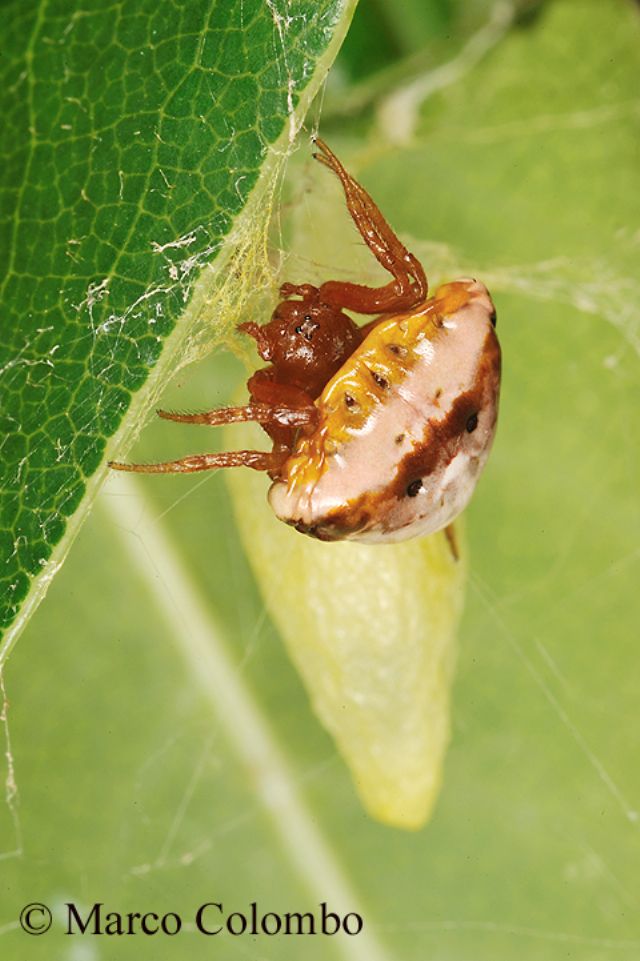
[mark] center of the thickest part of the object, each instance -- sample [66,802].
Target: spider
[379,432]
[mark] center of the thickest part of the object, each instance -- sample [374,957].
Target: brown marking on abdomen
[441,438]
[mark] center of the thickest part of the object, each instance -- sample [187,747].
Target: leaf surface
[132,140]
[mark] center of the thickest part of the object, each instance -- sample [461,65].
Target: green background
[522,167]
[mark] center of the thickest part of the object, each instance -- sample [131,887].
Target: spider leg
[306,291]
[375,230]
[269,414]
[259,334]
[450,534]
[409,286]
[257,459]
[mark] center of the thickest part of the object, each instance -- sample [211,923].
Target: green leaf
[142,787]
[133,144]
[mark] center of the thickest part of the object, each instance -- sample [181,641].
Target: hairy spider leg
[392,254]
[260,413]
[409,287]
[257,459]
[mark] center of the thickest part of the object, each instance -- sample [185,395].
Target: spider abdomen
[405,426]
